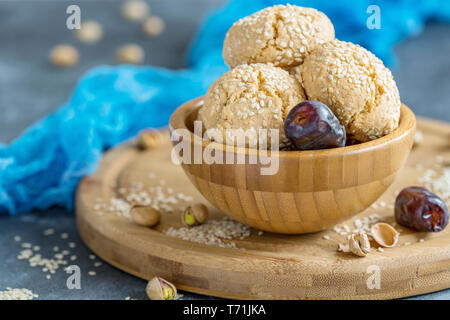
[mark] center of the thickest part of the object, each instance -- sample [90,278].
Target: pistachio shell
[384,234]
[342,247]
[194,215]
[359,244]
[157,287]
[145,215]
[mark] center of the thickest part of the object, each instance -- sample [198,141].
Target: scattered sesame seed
[214,232]
[49,232]
[17,294]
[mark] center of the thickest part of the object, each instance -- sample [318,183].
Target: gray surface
[30,88]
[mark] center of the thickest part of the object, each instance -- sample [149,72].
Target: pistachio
[149,139]
[145,215]
[194,215]
[384,234]
[161,289]
[359,244]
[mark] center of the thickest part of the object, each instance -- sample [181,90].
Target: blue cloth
[43,166]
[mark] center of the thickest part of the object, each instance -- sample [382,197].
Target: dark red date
[420,209]
[311,125]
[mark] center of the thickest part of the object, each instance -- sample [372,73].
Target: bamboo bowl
[311,191]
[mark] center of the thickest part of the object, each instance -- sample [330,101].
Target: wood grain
[272,266]
[311,191]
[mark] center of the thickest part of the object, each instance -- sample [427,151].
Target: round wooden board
[267,266]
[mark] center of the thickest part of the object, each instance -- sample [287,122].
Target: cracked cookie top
[282,35]
[357,87]
[251,97]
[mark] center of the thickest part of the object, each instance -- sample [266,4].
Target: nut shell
[384,234]
[359,244]
[199,213]
[145,215]
[155,289]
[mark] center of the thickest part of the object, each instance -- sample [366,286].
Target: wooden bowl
[311,191]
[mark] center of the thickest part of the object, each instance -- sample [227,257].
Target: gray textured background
[30,88]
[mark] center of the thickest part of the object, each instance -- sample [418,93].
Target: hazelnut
[145,215]
[90,32]
[130,53]
[161,289]
[194,215]
[153,26]
[149,139]
[135,10]
[64,56]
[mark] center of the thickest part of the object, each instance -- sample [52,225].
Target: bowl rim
[407,123]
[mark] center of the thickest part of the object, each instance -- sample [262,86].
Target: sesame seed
[49,232]
[17,294]
[214,232]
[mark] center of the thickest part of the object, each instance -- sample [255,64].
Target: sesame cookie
[357,87]
[282,35]
[251,97]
